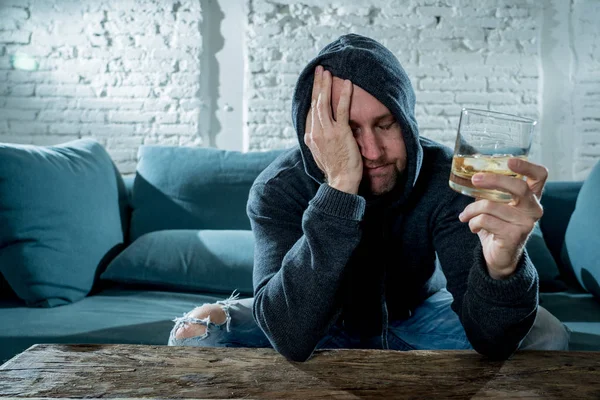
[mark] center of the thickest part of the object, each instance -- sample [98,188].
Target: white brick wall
[134,71]
[125,73]
[458,53]
[586,86]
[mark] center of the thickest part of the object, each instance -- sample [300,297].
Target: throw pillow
[188,260]
[60,218]
[544,262]
[193,188]
[582,240]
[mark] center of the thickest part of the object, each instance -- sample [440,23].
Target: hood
[370,65]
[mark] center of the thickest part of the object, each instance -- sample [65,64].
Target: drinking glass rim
[513,117]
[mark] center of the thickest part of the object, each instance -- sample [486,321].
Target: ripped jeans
[432,326]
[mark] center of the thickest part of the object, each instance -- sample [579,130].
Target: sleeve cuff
[339,204]
[513,289]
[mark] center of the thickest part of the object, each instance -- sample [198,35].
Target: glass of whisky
[485,141]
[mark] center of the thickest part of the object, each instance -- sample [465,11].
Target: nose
[369,145]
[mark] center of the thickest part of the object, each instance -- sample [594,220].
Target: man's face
[379,138]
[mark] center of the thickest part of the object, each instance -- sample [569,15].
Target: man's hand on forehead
[330,139]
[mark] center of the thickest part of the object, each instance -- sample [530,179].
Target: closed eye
[385,127]
[388,126]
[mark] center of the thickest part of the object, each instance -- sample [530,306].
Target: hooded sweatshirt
[324,257]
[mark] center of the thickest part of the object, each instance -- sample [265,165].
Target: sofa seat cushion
[188,260]
[580,312]
[193,188]
[114,315]
[60,219]
[582,240]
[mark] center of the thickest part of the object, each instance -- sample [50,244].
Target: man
[354,227]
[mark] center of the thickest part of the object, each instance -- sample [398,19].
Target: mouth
[376,169]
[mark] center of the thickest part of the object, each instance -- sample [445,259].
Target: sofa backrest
[193,188]
[558,200]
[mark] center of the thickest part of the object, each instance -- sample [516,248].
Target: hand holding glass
[485,141]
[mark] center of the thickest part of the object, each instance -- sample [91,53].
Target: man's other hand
[503,228]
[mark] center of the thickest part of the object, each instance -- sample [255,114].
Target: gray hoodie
[326,257]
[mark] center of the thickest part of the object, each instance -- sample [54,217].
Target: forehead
[363,106]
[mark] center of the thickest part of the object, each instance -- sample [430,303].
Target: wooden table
[136,371]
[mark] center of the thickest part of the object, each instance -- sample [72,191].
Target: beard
[372,187]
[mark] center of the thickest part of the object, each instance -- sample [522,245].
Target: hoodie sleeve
[496,314]
[300,255]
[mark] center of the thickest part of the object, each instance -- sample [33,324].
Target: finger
[495,226]
[325,95]
[308,139]
[311,125]
[315,126]
[314,149]
[312,146]
[343,108]
[536,174]
[316,83]
[314,96]
[516,187]
[323,113]
[501,211]
[534,171]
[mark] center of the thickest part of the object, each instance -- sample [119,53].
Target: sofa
[90,256]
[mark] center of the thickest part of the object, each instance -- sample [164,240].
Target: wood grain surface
[143,372]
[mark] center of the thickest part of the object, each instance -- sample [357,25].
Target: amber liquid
[464,167]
